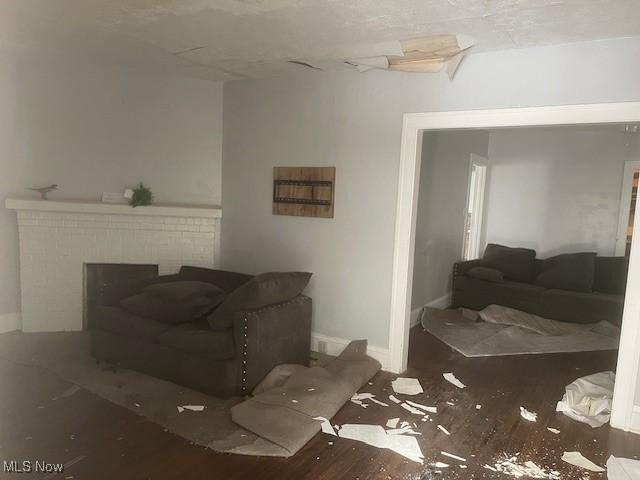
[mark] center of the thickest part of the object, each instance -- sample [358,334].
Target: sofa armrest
[270,336]
[459,269]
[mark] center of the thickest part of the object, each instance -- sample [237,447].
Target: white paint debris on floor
[451,378]
[407,386]
[553,430]
[444,430]
[478,407]
[325,426]
[192,408]
[359,399]
[509,465]
[394,399]
[376,436]
[426,408]
[440,465]
[392,422]
[527,415]
[578,460]
[455,457]
[411,409]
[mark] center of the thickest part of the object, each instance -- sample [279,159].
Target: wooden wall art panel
[304,191]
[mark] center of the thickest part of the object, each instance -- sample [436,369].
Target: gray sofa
[600,298]
[226,362]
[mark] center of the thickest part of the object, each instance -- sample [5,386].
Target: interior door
[474,212]
[628,202]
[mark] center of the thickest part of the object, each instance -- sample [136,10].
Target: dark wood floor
[110,442]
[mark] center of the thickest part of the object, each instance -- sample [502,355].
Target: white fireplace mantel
[112,208]
[57,238]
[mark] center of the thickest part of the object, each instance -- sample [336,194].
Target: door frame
[625,203]
[413,124]
[475,159]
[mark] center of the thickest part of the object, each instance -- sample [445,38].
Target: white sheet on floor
[487,339]
[588,399]
[619,468]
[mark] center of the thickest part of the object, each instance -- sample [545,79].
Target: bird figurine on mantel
[43,191]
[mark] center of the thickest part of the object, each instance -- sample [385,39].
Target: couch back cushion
[611,275]
[227,281]
[262,290]
[570,271]
[168,308]
[518,264]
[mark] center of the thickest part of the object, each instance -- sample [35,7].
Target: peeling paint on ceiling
[229,39]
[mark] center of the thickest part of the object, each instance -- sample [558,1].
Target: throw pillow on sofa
[486,273]
[260,291]
[517,264]
[176,303]
[570,271]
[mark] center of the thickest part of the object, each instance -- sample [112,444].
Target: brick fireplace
[58,238]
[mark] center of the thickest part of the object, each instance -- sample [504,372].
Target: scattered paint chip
[137,405]
[478,407]
[392,422]
[451,404]
[411,409]
[394,399]
[576,458]
[325,426]
[440,465]
[451,378]
[527,415]
[426,408]
[444,430]
[193,408]
[310,389]
[294,401]
[407,386]
[455,457]
[553,430]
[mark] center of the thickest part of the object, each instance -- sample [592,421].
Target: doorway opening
[414,125]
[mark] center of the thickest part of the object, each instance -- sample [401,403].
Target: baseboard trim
[335,345]
[635,420]
[441,302]
[10,322]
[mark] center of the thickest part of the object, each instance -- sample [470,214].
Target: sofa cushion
[148,306]
[197,338]
[611,275]
[478,294]
[570,271]
[119,321]
[260,291]
[227,281]
[182,291]
[486,273]
[582,307]
[515,263]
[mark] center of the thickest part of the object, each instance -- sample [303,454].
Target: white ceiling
[228,39]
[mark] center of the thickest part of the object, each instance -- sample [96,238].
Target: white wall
[94,129]
[556,189]
[353,121]
[444,179]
